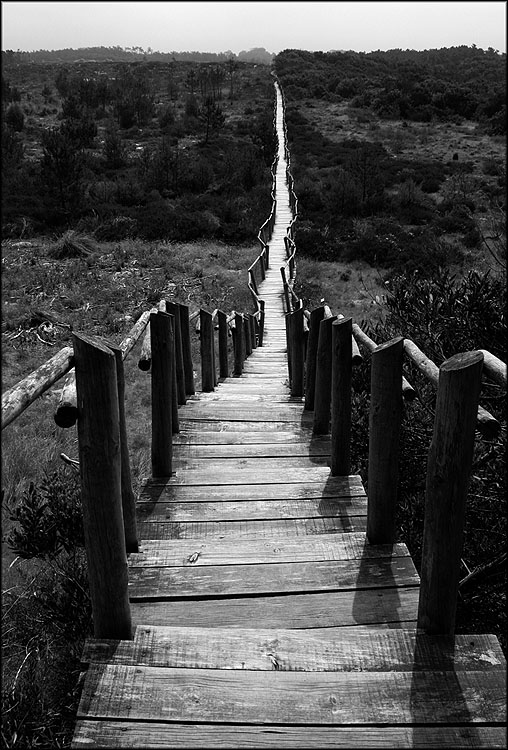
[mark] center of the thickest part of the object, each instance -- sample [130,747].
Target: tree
[212,116]
[113,150]
[232,66]
[14,118]
[61,165]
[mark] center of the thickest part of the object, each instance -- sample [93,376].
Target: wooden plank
[248,474]
[228,423]
[184,454]
[242,696]
[320,493]
[295,650]
[154,528]
[265,467]
[257,510]
[294,437]
[128,734]
[246,413]
[331,609]
[196,552]
[243,398]
[165,583]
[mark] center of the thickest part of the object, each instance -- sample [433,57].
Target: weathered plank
[273,578]
[196,552]
[296,501]
[129,734]
[263,467]
[229,424]
[296,650]
[252,449]
[249,474]
[243,696]
[294,437]
[155,528]
[245,413]
[392,607]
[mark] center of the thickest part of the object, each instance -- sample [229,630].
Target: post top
[461,361]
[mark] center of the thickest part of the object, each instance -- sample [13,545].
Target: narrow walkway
[263,618]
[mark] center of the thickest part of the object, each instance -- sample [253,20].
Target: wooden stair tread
[158,735]
[298,650]
[276,696]
[197,552]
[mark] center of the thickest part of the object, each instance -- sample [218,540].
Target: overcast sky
[236,26]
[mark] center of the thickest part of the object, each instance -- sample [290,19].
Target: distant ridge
[257,55]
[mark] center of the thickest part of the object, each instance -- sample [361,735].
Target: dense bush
[48,614]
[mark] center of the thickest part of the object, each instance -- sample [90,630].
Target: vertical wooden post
[246,335]
[448,474]
[187,350]
[261,322]
[214,368]
[286,289]
[342,360]
[162,394]
[238,343]
[223,344]
[252,323]
[289,340]
[384,435]
[174,309]
[297,352]
[323,387]
[101,480]
[205,340]
[175,420]
[316,317]
[128,498]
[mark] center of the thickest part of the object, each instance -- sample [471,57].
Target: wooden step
[160,736]
[197,552]
[382,608]
[349,650]
[163,527]
[115,691]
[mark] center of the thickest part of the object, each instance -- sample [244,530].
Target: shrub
[48,615]
[73,245]
[14,118]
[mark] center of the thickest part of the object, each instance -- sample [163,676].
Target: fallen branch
[485,569]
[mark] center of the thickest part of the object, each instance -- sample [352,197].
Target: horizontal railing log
[408,391]
[486,423]
[494,368]
[20,396]
[66,413]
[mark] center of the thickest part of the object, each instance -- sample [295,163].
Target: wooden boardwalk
[262,616]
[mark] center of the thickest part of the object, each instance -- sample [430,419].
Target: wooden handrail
[494,368]
[24,393]
[408,391]
[486,423]
[66,412]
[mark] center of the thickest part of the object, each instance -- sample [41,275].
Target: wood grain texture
[347,650]
[160,528]
[166,583]
[196,552]
[243,696]
[128,734]
[332,609]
